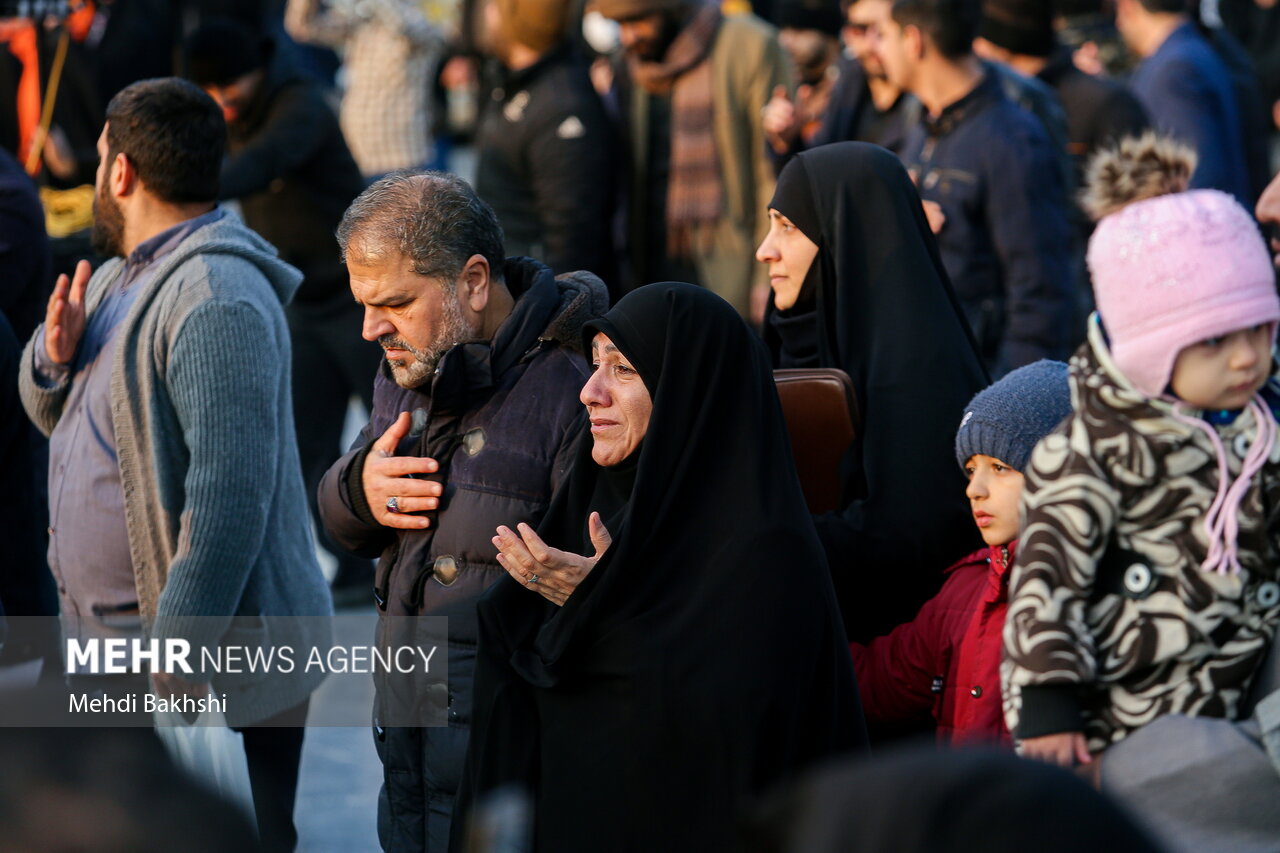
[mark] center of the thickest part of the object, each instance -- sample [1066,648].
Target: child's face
[994,491]
[1225,372]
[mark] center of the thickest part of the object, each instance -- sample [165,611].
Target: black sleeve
[344,511]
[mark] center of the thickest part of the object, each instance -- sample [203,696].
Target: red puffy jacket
[945,663]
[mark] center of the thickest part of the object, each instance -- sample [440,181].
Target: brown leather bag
[822,418]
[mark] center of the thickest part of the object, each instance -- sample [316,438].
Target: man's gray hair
[434,219]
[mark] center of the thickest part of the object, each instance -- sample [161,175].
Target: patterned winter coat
[1112,622]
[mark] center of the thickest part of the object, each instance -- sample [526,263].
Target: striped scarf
[693,185]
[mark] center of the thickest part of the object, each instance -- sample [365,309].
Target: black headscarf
[884,312]
[703,656]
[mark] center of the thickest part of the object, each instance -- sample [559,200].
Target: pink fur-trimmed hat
[1173,270]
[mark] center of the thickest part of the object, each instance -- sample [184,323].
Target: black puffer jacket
[503,417]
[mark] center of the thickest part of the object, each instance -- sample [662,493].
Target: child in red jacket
[946,662]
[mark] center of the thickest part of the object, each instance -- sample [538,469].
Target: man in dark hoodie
[290,168]
[475,415]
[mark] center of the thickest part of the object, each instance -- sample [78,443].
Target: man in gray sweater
[162,382]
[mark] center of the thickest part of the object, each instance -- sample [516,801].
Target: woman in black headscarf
[641,695]
[858,285]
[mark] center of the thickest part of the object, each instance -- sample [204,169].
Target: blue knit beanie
[1006,419]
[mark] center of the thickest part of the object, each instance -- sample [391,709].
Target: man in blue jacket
[1186,89]
[992,184]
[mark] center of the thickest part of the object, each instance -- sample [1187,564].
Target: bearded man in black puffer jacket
[475,413]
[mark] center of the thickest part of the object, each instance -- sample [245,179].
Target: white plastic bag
[211,753]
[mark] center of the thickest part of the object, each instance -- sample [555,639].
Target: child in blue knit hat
[946,662]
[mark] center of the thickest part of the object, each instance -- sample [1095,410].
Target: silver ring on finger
[532,579]
[393,504]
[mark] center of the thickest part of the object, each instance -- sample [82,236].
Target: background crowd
[893,188]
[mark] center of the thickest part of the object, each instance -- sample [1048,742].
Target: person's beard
[107,236]
[454,329]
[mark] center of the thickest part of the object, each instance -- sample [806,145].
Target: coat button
[445,569]
[473,441]
[976,692]
[1138,580]
[1269,594]
[418,422]
[437,696]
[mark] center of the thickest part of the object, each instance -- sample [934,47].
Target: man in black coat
[544,142]
[290,168]
[475,417]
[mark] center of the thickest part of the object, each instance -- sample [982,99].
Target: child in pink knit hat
[1148,578]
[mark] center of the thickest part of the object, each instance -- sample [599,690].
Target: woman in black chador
[641,695]
[858,285]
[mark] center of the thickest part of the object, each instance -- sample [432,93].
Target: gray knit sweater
[214,501]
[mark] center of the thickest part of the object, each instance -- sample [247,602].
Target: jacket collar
[469,372]
[987,91]
[1001,556]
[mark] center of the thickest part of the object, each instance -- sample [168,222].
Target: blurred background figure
[1187,91]
[131,40]
[865,106]
[1256,24]
[1256,124]
[810,33]
[1088,29]
[921,801]
[293,175]
[1099,111]
[993,184]
[26,585]
[108,791]
[546,153]
[390,49]
[690,89]
[43,65]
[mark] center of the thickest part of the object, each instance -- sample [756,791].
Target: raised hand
[552,573]
[64,319]
[781,120]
